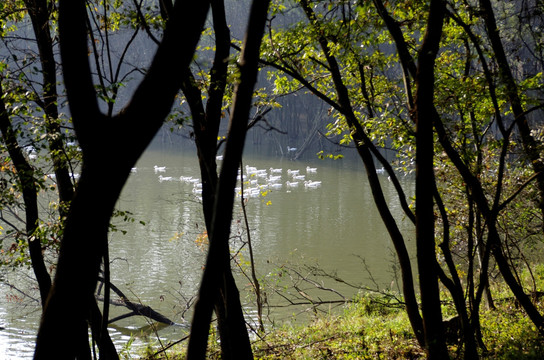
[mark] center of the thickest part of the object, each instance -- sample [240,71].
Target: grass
[366,330]
[377,327]
[371,328]
[509,334]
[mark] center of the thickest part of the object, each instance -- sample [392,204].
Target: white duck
[312,184]
[165,178]
[159,169]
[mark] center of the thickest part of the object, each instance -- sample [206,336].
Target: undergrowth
[373,328]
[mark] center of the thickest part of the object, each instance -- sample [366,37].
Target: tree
[48,134]
[29,188]
[44,94]
[340,101]
[346,57]
[206,121]
[217,276]
[110,144]
[425,221]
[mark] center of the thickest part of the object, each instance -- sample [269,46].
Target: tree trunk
[110,146]
[425,241]
[529,144]
[25,174]
[206,127]
[217,275]
[363,143]
[454,284]
[40,17]
[511,281]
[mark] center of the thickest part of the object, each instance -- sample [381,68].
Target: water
[334,227]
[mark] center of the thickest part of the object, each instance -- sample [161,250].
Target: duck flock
[253,182]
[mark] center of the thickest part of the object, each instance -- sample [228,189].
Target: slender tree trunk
[454,284]
[206,127]
[511,281]
[100,333]
[529,144]
[363,143]
[217,268]
[40,17]
[472,252]
[25,174]
[425,241]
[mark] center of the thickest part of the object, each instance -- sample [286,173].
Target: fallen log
[136,308]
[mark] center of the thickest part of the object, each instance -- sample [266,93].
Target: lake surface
[332,225]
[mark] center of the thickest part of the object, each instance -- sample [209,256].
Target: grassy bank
[374,328]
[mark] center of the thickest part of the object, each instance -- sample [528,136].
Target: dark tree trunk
[217,274]
[40,17]
[410,71]
[425,221]
[112,146]
[512,282]
[454,285]
[25,174]
[529,144]
[206,128]
[363,144]
[100,333]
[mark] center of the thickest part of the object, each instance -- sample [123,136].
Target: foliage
[23,97]
[346,57]
[371,327]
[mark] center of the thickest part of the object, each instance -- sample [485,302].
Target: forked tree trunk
[110,146]
[206,121]
[217,274]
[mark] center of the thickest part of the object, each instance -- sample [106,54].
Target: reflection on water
[330,221]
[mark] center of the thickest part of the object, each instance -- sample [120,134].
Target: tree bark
[110,146]
[454,284]
[529,144]
[206,121]
[25,174]
[363,143]
[425,241]
[40,17]
[425,220]
[217,274]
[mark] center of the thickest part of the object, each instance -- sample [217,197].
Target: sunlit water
[332,225]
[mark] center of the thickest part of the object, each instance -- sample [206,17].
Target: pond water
[331,225]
